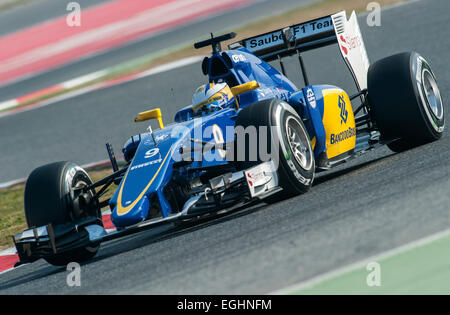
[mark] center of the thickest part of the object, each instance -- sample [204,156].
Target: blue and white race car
[250,134]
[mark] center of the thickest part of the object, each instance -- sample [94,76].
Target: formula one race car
[250,134]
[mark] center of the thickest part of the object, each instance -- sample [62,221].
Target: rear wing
[313,34]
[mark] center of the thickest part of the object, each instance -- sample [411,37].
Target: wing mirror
[151,114]
[249,86]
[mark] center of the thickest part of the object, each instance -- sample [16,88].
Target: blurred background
[46,42]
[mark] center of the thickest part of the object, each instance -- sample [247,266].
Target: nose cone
[137,214]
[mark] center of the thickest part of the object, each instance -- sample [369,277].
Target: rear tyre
[49,198]
[286,133]
[405,101]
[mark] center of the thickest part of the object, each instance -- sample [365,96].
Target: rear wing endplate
[313,34]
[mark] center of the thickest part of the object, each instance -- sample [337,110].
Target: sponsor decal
[266,40]
[342,136]
[261,178]
[344,45]
[349,43]
[313,26]
[146,164]
[158,139]
[344,112]
[257,177]
[239,58]
[161,138]
[419,70]
[311,97]
[300,177]
[299,31]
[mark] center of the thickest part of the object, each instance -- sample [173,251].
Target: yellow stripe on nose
[124,210]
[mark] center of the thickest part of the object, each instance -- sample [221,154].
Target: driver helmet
[211,97]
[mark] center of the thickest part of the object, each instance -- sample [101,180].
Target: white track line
[170,66]
[84,79]
[163,68]
[85,166]
[361,263]
[9,104]
[11,269]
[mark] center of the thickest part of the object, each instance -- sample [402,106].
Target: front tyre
[50,198]
[405,101]
[280,134]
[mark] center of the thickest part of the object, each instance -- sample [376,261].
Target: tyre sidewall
[300,179]
[398,102]
[48,200]
[419,66]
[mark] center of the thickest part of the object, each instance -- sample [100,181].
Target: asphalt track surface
[141,47]
[376,203]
